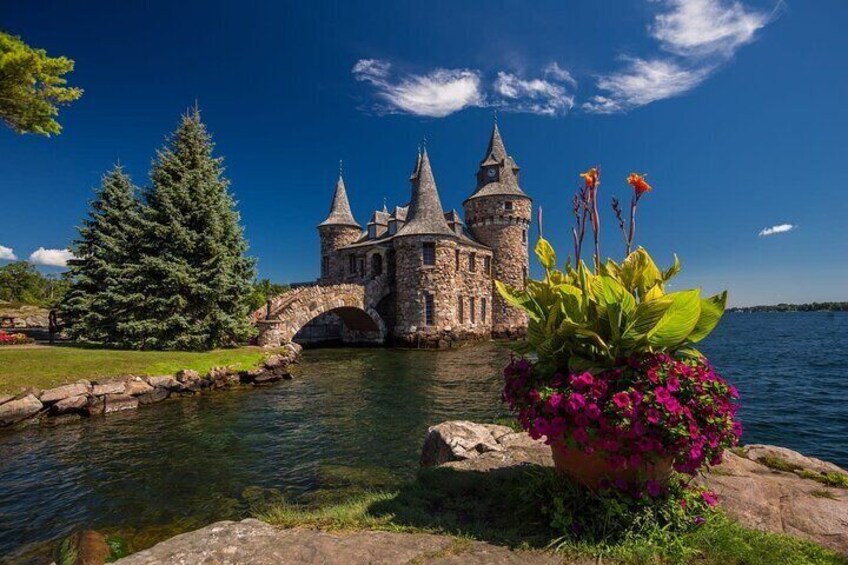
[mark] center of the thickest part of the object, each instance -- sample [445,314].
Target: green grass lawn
[46,366]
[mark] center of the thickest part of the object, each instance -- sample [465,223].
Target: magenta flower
[710,498]
[582,381]
[621,399]
[673,384]
[576,401]
[653,415]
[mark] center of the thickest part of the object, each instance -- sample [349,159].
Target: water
[356,415]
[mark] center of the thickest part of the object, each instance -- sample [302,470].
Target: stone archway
[287,314]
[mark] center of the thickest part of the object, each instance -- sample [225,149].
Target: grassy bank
[503,507]
[46,366]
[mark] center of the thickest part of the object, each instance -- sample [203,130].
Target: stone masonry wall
[507,233]
[414,280]
[332,238]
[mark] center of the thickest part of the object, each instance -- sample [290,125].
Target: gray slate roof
[340,214]
[425,216]
[507,183]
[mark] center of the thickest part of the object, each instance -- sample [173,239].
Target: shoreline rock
[66,403]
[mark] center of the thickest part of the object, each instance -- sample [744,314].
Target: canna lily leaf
[546,254]
[672,271]
[678,320]
[519,299]
[654,293]
[712,309]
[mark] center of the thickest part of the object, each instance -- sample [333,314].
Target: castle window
[471,309]
[457,259]
[428,253]
[392,227]
[351,264]
[482,309]
[372,232]
[487,265]
[461,307]
[524,270]
[377,264]
[361,265]
[472,262]
[429,309]
[523,236]
[508,206]
[325,266]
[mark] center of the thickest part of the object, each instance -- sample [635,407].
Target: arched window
[376,265]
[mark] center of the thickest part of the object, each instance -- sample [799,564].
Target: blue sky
[736,110]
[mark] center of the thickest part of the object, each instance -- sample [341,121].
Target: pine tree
[104,251]
[194,280]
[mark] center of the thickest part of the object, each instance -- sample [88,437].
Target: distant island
[810,307]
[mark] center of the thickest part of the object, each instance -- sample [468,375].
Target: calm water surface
[353,415]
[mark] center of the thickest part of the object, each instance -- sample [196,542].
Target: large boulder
[119,403]
[66,391]
[257,543]
[190,379]
[154,396]
[756,495]
[137,386]
[165,381]
[70,405]
[19,409]
[108,387]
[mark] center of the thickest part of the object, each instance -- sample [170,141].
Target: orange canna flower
[591,177]
[639,184]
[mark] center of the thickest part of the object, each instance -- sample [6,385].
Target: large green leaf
[672,271]
[678,320]
[546,254]
[712,309]
[639,272]
[519,299]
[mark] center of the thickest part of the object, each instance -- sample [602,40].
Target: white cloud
[642,82]
[705,27]
[535,96]
[780,228]
[7,254]
[51,257]
[554,71]
[439,93]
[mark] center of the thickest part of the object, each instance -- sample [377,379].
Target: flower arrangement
[617,387]
[13,339]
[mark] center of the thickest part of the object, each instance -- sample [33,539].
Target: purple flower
[673,384]
[554,401]
[662,395]
[698,520]
[654,488]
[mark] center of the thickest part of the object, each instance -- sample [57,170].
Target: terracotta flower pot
[590,469]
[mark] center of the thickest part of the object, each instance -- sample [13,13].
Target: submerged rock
[154,396]
[119,403]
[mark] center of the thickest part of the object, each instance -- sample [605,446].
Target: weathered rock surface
[164,381]
[4,398]
[90,547]
[61,392]
[154,396]
[755,495]
[108,387]
[488,445]
[257,543]
[70,405]
[137,386]
[20,409]
[119,403]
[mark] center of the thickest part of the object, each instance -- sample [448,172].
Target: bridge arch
[288,313]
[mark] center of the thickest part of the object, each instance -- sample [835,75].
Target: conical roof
[340,214]
[506,181]
[425,216]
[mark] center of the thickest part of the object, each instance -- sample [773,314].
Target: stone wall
[507,233]
[91,398]
[333,238]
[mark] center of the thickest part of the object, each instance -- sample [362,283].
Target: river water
[356,417]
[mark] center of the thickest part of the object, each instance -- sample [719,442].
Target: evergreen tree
[194,281]
[105,254]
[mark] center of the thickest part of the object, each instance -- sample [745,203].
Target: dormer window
[392,227]
[491,173]
[508,206]
[372,232]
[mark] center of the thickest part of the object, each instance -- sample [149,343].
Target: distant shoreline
[811,307]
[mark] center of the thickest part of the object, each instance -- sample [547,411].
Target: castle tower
[425,248]
[339,229]
[498,214]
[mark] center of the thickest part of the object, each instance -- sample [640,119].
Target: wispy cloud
[51,257]
[441,92]
[780,228]
[706,27]
[7,253]
[535,96]
[438,93]
[642,82]
[698,36]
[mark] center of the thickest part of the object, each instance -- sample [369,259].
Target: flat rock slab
[62,392]
[751,493]
[20,409]
[252,542]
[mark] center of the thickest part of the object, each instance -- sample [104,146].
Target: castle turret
[339,229]
[498,214]
[425,249]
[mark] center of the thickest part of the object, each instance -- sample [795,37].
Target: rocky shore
[751,491]
[92,398]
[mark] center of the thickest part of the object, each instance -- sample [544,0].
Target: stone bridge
[355,304]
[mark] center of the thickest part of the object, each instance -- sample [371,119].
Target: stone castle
[435,271]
